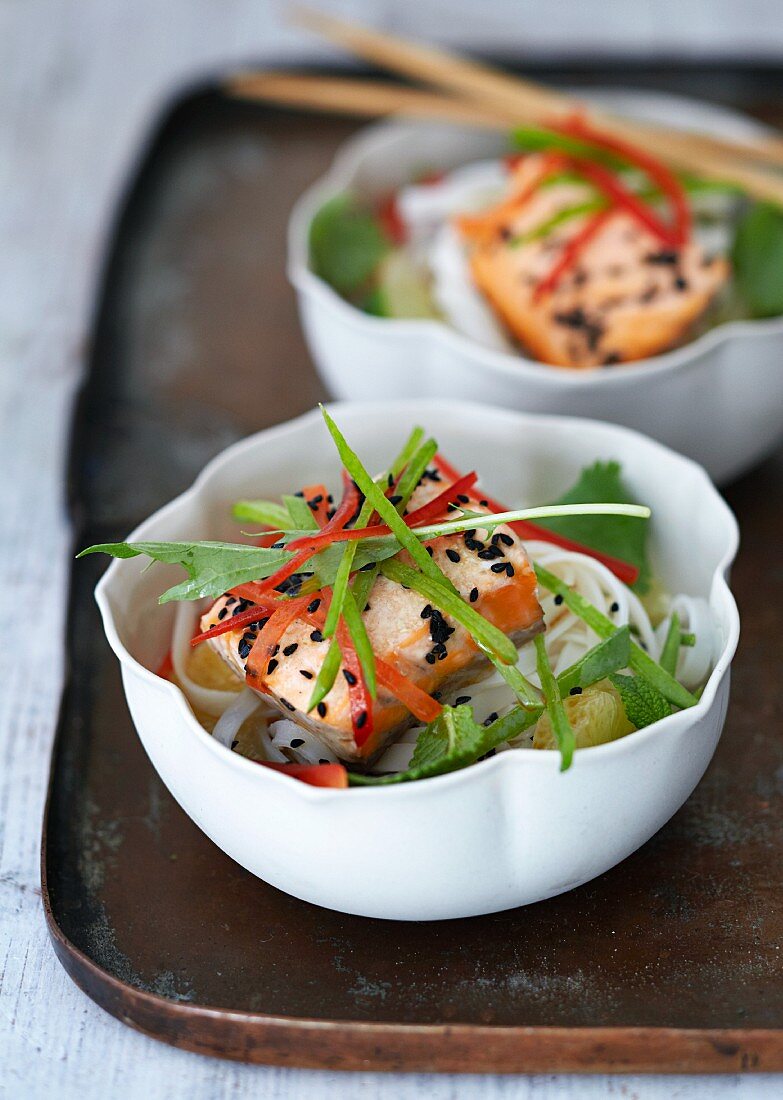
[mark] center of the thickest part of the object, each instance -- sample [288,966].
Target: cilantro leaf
[346,245]
[622,537]
[643,703]
[757,258]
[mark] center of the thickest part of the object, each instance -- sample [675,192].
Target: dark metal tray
[668,962]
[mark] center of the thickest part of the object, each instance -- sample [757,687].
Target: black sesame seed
[575,691]
[452,555]
[316,636]
[322,761]
[462,498]
[307,675]
[223,612]
[289,649]
[499,567]
[313,606]
[367,567]
[509,569]
[461,699]
[286,704]
[297,742]
[299,494]
[243,649]
[429,550]
[317,499]
[390,480]
[680,283]
[558,600]
[321,708]
[361,720]
[270,668]
[349,676]
[430,658]
[493,717]
[396,499]
[474,595]
[234,744]
[426,611]
[484,503]
[277,546]
[615,607]
[275,649]
[490,553]
[366,607]
[507,540]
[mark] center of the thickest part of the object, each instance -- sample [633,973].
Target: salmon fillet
[627,296]
[433,651]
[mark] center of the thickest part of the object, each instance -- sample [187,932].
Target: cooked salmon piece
[625,298]
[427,647]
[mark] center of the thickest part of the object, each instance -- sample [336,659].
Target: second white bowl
[718,399]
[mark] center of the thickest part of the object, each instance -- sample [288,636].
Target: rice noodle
[233,717]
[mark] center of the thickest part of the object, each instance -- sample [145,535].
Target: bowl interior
[521,459]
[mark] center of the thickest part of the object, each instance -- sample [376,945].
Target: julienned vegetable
[359,618]
[586,251]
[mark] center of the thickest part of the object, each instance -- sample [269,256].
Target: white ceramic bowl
[718,399]
[505,832]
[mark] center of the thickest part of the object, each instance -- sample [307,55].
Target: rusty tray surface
[670,961]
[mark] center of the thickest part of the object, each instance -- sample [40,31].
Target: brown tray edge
[306,1043]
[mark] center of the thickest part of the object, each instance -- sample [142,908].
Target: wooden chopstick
[518,100]
[358,97]
[500,90]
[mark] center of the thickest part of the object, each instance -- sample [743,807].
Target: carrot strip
[484,225]
[419,703]
[271,634]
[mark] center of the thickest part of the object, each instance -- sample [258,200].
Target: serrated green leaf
[643,703]
[346,245]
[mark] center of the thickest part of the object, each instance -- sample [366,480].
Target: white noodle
[233,717]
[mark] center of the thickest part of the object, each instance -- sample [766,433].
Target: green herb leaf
[346,245]
[267,512]
[361,641]
[757,257]
[212,567]
[643,703]
[601,661]
[621,536]
[301,513]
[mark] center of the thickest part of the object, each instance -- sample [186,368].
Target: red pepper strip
[315,775]
[391,220]
[571,252]
[359,698]
[429,512]
[166,667]
[270,635]
[654,168]
[346,509]
[618,193]
[236,622]
[623,570]
[321,508]
[426,514]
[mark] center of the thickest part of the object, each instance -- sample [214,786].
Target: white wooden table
[80,83]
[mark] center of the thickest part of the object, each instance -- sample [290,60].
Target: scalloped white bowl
[718,399]
[508,831]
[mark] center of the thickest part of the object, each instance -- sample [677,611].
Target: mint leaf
[757,257]
[622,537]
[346,245]
[643,703]
[601,661]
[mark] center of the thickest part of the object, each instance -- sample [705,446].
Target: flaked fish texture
[626,297]
[433,651]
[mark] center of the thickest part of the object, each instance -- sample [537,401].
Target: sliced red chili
[572,251]
[620,195]
[433,509]
[316,775]
[391,220]
[359,698]
[166,667]
[666,180]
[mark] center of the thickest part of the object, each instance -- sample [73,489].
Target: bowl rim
[370,141]
[543,758]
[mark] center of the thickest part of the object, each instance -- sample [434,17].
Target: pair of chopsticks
[466,92]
